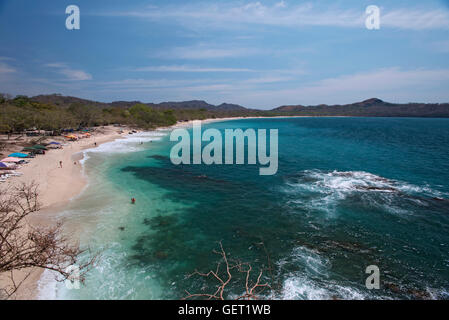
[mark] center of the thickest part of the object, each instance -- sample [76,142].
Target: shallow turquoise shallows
[349,193]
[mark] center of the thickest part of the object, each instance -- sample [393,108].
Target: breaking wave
[311,280]
[325,190]
[130,143]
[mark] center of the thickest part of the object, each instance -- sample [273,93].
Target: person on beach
[60,164]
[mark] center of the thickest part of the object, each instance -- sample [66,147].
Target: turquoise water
[349,193]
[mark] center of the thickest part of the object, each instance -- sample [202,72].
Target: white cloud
[390,84]
[139,84]
[232,15]
[251,13]
[205,51]
[268,79]
[79,75]
[69,73]
[380,80]
[281,4]
[5,68]
[182,68]
[415,19]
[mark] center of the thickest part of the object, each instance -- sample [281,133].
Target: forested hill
[66,101]
[56,112]
[370,108]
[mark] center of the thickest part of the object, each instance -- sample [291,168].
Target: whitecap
[324,191]
[130,143]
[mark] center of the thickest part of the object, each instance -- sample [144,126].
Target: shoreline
[58,186]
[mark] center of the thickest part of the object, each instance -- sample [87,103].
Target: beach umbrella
[3,165]
[11,159]
[18,155]
[38,146]
[33,150]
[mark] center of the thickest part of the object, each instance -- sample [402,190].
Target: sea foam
[325,190]
[129,143]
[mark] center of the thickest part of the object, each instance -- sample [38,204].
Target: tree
[2,146]
[23,246]
[86,115]
[15,119]
[21,101]
[253,287]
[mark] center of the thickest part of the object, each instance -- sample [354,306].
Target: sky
[259,54]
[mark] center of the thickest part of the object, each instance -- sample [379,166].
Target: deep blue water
[349,193]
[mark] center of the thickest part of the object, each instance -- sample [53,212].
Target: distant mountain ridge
[193,104]
[373,107]
[373,102]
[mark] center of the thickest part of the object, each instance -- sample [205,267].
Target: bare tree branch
[24,246]
[252,289]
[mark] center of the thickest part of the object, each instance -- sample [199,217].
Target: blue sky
[259,54]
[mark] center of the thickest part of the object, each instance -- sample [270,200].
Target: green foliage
[86,115]
[21,101]
[21,114]
[146,117]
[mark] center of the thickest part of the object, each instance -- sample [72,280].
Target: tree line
[21,113]
[56,113]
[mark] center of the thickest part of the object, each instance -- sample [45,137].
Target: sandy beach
[56,186]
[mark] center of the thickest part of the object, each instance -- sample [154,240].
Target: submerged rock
[161,255]
[381,189]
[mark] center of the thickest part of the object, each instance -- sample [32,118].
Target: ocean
[348,193]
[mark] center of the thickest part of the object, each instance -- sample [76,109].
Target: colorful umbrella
[11,159]
[18,155]
[38,146]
